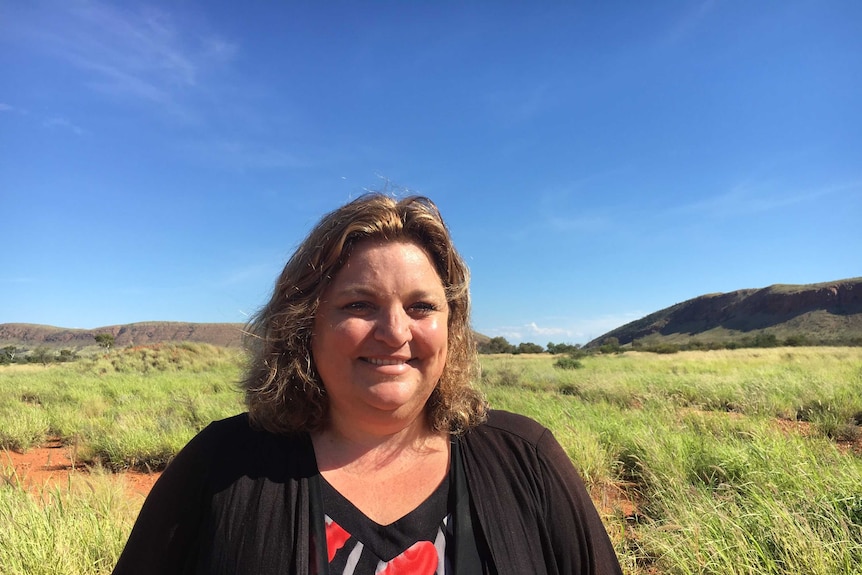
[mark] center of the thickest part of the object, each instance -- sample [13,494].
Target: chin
[394,400]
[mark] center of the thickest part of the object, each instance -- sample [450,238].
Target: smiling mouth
[378,361]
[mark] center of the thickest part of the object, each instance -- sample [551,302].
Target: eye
[357,307]
[423,308]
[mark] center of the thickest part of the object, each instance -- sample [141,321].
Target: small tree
[796,340]
[529,347]
[8,354]
[765,340]
[568,362]
[610,345]
[41,355]
[556,348]
[497,345]
[67,355]
[105,340]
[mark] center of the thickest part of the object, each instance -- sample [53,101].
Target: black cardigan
[239,500]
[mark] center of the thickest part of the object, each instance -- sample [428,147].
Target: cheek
[334,337]
[436,338]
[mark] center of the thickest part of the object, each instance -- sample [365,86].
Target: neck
[344,446]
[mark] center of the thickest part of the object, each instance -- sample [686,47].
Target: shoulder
[219,435]
[512,426]
[239,423]
[508,438]
[233,443]
[239,429]
[236,425]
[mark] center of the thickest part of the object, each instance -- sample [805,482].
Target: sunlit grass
[129,408]
[693,458]
[77,528]
[692,440]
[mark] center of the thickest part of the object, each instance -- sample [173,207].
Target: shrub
[556,348]
[529,347]
[67,355]
[9,354]
[662,348]
[570,389]
[796,341]
[509,378]
[610,345]
[765,340]
[105,340]
[568,362]
[496,345]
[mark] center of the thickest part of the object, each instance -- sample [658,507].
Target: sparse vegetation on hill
[817,314]
[31,336]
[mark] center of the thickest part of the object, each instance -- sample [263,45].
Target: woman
[365,449]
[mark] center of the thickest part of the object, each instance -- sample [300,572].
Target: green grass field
[721,462]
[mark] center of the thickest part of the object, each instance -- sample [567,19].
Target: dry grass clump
[706,462]
[706,481]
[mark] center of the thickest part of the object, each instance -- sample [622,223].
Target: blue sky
[595,161]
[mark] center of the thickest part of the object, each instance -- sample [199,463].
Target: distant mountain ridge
[31,336]
[143,333]
[823,312]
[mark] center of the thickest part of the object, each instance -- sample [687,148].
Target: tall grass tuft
[78,529]
[130,408]
[707,462]
[708,479]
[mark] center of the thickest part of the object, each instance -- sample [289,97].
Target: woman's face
[380,336]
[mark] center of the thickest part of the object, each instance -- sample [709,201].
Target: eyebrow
[365,291]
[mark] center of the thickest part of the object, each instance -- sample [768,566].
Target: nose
[393,327]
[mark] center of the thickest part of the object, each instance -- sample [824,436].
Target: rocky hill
[820,313]
[30,336]
[829,312]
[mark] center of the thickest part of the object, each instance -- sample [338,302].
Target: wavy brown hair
[283,391]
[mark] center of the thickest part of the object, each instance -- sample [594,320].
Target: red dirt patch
[803,428]
[52,466]
[615,500]
[854,445]
[806,429]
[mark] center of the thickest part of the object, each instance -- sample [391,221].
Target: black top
[240,500]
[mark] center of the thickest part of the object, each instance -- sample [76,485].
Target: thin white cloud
[590,223]
[240,155]
[143,54]
[9,109]
[744,200]
[514,106]
[688,23]
[52,122]
[253,273]
[562,208]
[565,331]
[62,123]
